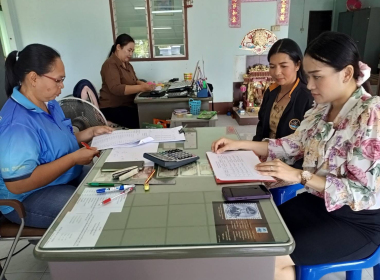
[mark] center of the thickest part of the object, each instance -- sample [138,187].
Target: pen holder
[195,106]
[202,93]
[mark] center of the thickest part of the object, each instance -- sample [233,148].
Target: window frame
[152,58]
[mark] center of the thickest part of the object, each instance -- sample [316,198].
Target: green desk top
[170,221]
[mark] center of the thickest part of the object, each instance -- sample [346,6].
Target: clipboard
[219,181]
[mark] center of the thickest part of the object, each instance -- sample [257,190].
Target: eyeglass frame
[58,81]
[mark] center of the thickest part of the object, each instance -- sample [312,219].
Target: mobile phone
[245,193]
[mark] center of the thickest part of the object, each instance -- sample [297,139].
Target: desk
[169,232]
[192,121]
[163,107]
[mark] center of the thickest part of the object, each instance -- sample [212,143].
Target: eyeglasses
[58,81]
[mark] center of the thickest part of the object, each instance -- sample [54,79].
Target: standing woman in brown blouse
[120,84]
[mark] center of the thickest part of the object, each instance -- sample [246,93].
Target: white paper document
[133,154]
[236,166]
[129,138]
[78,230]
[138,142]
[90,202]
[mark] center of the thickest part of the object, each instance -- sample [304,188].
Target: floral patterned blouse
[346,151]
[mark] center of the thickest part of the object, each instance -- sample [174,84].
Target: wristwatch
[305,177]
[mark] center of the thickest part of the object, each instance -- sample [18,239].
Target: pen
[182,129]
[88,147]
[119,188]
[146,184]
[112,198]
[102,184]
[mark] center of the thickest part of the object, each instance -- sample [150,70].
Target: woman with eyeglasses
[40,158]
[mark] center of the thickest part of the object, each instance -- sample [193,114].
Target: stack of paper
[133,154]
[83,225]
[236,166]
[136,137]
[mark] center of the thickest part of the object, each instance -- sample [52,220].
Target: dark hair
[289,47]
[35,57]
[337,50]
[122,40]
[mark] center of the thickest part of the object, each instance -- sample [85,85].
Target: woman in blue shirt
[40,159]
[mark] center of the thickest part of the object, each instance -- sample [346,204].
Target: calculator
[172,158]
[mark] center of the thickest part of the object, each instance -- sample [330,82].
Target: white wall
[211,38]
[81,32]
[299,18]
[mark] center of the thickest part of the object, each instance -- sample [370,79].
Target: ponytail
[11,78]
[113,49]
[122,40]
[33,58]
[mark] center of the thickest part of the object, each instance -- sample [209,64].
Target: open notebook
[236,167]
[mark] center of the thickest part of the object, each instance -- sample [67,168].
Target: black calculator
[172,158]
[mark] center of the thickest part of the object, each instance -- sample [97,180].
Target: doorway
[319,22]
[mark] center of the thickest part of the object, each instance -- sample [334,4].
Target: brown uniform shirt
[114,79]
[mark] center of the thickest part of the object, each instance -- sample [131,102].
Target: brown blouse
[277,111]
[114,79]
[275,116]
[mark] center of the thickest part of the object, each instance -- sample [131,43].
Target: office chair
[11,231]
[283,194]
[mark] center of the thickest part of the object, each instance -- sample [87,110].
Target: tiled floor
[25,267]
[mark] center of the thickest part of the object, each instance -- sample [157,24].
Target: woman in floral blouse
[338,218]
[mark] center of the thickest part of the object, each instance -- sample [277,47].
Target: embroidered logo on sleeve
[294,124]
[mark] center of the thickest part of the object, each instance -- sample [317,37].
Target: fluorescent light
[161,28]
[167,12]
[139,8]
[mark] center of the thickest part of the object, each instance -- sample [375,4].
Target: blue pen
[119,188]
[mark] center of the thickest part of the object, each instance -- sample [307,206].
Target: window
[159,27]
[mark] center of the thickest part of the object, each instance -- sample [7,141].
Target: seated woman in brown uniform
[287,100]
[120,84]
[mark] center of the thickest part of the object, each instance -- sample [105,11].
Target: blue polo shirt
[30,137]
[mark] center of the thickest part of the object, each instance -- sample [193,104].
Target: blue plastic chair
[315,272]
[283,194]
[353,269]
